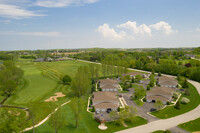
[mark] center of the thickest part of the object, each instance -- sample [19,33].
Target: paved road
[167,123]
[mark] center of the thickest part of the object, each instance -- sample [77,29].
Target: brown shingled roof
[104,96]
[161,90]
[109,87]
[108,81]
[106,105]
[157,97]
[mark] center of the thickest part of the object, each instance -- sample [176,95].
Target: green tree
[77,108]
[158,104]
[67,80]
[138,78]
[81,82]
[139,92]
[152,80]
[178,105]
[132,80]
[10,122]
[57,119]
[185,84]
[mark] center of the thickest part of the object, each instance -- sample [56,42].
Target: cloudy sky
[52,24]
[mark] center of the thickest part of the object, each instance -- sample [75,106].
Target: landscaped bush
[187,92]
[168,103]
[159,74]
[93,109]
[144,100]
[100,89]
[175,94]
[185,100]
[178,105]
[148,87]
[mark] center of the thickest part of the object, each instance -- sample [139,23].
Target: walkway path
[45,119]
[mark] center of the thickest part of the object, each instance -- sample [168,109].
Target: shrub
[67,79]
[187,92]
[144,100]
[100,89]
[118,109]
[93,109]
[159,74]
[178,105]
[148,87]
[168,103]
[167,131]
[185,100]
[175,94]
[90,103]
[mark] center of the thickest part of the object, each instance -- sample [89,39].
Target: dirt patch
[15,113]
[54,98]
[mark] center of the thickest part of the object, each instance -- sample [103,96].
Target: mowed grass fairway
[66,67]
[34,86]
[171,111]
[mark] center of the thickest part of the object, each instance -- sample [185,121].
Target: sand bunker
[14,113]
[54,98]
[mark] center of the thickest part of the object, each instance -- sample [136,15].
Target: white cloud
[12,11]
[5,21]
[110,33]
[48,34]
[198,29]
[136,30]
[162,26]
[141,29]
[62,3]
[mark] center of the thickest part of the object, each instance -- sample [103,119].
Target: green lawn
[86,125]
[191,126]
[33,86]
[169,112]
[138,102]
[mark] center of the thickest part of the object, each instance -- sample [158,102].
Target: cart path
[45,119]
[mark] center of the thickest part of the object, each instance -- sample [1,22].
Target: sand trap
[14,113]
[54,98]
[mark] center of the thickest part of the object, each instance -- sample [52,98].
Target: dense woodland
[164,61]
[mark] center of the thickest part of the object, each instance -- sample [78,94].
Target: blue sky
[54,24]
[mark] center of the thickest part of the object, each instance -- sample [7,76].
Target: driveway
[167,123]
[142,111]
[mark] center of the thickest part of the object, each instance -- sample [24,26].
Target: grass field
[191,126]
[33,87]
[169,112]
[86,125]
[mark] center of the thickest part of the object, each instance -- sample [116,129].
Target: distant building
[164,81]
[190,55]
[109,84]
[163,94]
[133,74]
[39,60]
[105,101]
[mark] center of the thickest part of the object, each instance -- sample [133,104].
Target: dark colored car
[152,109]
